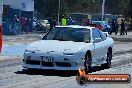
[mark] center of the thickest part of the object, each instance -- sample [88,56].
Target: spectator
[30,24]
[15,25]
[23,23]
[113,27]
[69,21]
[51,23]
[109,23]
[63,21]
[16,20]
[27,25]
[88,22]
[123,27]
[116,27]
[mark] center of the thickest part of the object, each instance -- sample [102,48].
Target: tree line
[116,7]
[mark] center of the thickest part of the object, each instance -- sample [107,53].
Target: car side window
[95,34]
[103,36]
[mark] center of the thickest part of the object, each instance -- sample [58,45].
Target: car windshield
[69,34]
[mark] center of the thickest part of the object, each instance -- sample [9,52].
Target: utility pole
[103,10]
[1,12]
[59,13]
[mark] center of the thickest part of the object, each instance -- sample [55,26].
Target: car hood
[55,46]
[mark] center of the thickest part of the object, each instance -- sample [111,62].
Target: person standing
[30,25]
[113,27]
[116,27]
[24,21]
[16,25]
[88,22]
[63,21]
[123,27]
[69,21]
[27,25]
[51,23]
[110,27]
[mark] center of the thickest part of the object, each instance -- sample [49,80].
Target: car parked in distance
[40,25]
[68,48]
[105,27]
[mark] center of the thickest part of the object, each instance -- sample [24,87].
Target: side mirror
[96,40]
[40,37]
[106,34]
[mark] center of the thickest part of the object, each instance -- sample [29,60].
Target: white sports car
[68,48]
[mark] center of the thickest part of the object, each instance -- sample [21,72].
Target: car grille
[63,64]
[50,64]
[33,62]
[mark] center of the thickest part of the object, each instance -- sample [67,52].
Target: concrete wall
[19,8]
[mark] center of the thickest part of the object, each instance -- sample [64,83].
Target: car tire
[109,58]
[87,62]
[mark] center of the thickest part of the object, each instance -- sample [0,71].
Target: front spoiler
[51,68]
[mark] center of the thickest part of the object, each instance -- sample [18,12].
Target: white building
[19,8]
[25,5]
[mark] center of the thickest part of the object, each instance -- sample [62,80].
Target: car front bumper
[58,64]
[49,68]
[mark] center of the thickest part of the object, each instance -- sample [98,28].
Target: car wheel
[87,62]
[109,58]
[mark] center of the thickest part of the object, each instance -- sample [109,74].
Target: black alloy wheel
[109,58]
[88,62]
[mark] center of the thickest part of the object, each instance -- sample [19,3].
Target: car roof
[68,26]
[88,27]
[76,26]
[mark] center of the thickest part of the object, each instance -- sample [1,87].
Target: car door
[98,45]
[104,44]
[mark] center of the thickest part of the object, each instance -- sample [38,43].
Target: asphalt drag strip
[12,75]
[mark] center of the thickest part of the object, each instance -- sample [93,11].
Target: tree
[50,7]
[129,11]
